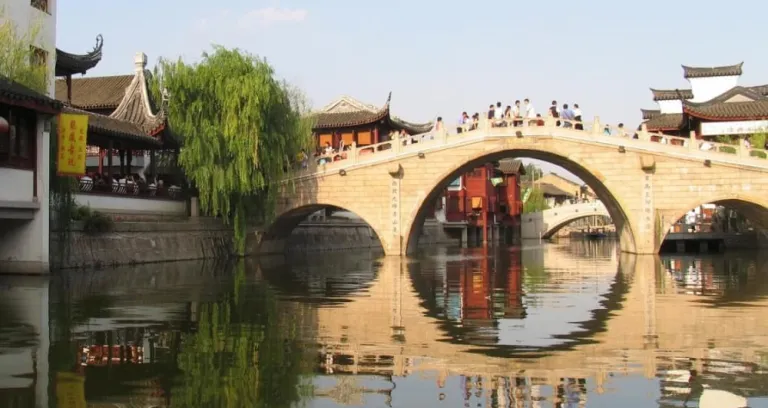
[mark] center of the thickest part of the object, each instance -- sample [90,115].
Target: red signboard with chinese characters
[73,137]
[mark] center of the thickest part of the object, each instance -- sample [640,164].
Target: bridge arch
[276,235]
[753,207]
[555,219]
[592,177]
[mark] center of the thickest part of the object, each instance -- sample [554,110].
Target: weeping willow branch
[240,129]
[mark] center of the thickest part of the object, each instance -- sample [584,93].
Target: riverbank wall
[150,241]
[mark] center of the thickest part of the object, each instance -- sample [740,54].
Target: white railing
[593,132]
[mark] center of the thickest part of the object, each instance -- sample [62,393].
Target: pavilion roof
[738,103]
[511,166]
[70,64]
[707,72]
[349,112]
[102,128]
[650,113]
[671,94]
[16,94]
[105,92]
[664,121]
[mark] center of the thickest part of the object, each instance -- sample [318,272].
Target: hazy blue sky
[442,57]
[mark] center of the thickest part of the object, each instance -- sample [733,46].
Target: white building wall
[670,106]
[25,244]
[705,89]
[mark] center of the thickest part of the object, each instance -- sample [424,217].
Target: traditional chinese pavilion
[715,104]
[349,120]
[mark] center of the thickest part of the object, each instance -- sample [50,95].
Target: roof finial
[140,62]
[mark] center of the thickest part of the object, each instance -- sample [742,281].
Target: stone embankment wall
[133,241]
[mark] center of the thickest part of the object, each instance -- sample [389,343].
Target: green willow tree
[536,201]
[240,128]
[18,60]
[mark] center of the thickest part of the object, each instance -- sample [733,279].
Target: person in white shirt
[498,115]
[516,114]
[577,117]
[530,113]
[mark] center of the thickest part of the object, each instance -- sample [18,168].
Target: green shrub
[81,212]
[97,222]
[758,153]
[727,149]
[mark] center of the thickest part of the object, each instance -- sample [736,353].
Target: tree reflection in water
[239,347]
[243,353]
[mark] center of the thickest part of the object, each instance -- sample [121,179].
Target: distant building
[714,105]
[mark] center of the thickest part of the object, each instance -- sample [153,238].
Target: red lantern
[4,126]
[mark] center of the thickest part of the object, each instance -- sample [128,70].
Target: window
[38,57]
[17,146]
[41,5]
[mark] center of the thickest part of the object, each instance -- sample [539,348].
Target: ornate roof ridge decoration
[665,121]
[671,94]
[352,102]
[650,113]
[69,64]
[709,72]
[136,105]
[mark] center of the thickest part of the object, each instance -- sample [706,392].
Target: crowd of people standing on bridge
[520,113]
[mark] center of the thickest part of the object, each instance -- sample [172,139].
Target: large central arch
[591,177]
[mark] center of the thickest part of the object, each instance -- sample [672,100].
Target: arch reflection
[507,302]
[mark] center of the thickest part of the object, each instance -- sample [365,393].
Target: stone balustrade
[589,132]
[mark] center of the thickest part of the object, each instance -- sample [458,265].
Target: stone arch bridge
[646,184]
[544,224]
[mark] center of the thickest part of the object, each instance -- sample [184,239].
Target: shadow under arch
[612,301]
[553,230]
[275,237]
[612,204]
[754,208]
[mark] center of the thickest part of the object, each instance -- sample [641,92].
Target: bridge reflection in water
[573,325]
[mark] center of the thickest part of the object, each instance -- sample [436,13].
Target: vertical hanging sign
[73,138]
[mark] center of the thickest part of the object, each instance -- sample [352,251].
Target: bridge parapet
[587,132]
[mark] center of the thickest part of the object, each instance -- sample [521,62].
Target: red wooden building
[486,202]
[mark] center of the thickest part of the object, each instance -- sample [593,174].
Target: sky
[439,58]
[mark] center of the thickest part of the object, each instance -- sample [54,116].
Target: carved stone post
[596,128]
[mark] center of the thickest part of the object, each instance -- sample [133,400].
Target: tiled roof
[650,113]
[116,128]
[96,92]
[136,107]
[511,166]
[752,110]
[706,72]
[412,128]
[325,120]
[665,121]
[671,94]
[552,190]
[70,64]
[751,93]
[761,89]
[14,93]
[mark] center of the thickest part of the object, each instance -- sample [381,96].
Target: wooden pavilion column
[110,151]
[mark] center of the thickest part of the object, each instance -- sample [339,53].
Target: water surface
[566,325]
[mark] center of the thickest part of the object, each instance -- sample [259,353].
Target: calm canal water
[559,325]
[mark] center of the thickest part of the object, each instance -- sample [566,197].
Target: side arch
[751,206]
[554,228]
[613,203]
[275,236]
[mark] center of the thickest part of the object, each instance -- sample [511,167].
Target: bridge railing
[526,127]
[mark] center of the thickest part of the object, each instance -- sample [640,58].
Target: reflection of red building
[514,303]
[488,196]
[99,355]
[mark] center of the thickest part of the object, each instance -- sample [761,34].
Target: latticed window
[41,5]
[17,145]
